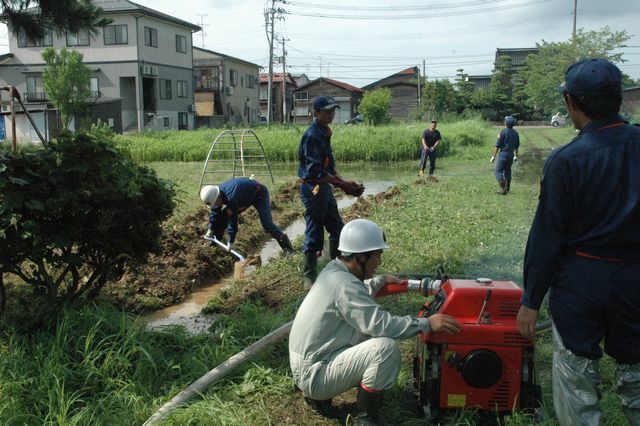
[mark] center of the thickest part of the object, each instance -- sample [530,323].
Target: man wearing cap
[430,141]
[584,246]
[231,198]
[507,144]
[341,338]
[317,170]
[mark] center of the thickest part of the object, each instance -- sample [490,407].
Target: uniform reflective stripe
[618,124]
[368,389]
[608,259]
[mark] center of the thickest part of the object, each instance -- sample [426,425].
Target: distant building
[518,56]
[630,101]
[404,92]
[276,96]
[347,96]
[300,79]
[141,69]
[226,89]
[481,82]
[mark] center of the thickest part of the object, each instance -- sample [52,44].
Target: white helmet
[361,236]
[209,194]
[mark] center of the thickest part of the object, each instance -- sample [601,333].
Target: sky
[361,41]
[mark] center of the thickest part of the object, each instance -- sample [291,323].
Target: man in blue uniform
[233,197]
[430,140]
[317,169]
[584,245]
[507,144]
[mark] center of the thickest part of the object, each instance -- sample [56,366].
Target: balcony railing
[35,96]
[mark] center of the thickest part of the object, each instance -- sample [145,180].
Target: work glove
[493,158]
[230,246]
[515,159]
[209,233]
[375,284]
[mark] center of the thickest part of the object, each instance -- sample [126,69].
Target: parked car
[355,120]
[558,120]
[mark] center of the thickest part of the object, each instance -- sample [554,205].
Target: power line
[393,8]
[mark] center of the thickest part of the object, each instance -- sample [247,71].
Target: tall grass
[350,143]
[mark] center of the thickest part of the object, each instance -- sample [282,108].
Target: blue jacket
[589,201]
[314,153]
[508,140]
[238,195]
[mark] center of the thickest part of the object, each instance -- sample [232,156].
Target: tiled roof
[345,86]
[277,78]
[115,6]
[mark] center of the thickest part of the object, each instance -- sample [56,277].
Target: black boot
[508,185]
[309,271]
[285,244]
[369,404]
[333,249]
[503,188]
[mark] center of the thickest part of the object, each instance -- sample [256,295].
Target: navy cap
[324,103]
[509,120]
[592,77]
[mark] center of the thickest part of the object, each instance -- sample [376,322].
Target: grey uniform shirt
[339,312]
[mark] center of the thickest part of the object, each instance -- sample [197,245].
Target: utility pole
[424,69]
[269,16]
[202,25]
[418,86]
[284,83]
[575,16]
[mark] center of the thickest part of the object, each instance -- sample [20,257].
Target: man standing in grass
[507,144]
[233,197]
[584,245]
[317,169]
[430,140]
[341,338]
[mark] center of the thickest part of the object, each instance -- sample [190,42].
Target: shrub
[375,105]
[73,215]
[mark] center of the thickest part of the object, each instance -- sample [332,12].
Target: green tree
[544,71]
[375,106]
[465,89]
[440,96]
[72,216]
[501,87]
[66,81]
[36,18]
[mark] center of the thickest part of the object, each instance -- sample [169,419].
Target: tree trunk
[3,295]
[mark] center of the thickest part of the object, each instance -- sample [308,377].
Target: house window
[264,93]
[233,77]
[181,44]
[167,122]
[301,96]
[94,87]
[165,89]
[251,81]
[207,78]
[35,88]
[116,34]
[23,40]
[79,39]
[181,88]
[182,121]
[150,37]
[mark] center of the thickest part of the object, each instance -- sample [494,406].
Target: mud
[187,261]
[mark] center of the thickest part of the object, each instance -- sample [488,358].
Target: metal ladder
[235,152]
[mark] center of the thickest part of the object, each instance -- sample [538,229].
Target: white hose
[219,372]
[224,246]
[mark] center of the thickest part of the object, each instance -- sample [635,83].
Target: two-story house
[348,97]
[143,59]
[226,89]
[404,92]
[277,104]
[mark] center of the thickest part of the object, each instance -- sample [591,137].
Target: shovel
[240,266]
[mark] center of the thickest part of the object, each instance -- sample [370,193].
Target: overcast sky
[360,41]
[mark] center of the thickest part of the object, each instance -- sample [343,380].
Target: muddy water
[188,313]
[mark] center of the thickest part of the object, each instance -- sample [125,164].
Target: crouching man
[341,338]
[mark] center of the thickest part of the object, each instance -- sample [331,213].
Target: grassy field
[102,367]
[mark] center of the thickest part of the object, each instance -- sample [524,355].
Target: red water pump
[488,365]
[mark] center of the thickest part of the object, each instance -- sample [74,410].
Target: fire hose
[425,286]
[224,246]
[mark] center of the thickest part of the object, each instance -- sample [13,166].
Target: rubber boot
[369,404]
[285,244]
[309,271]
[503,188]
[508,185]
[333,249]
